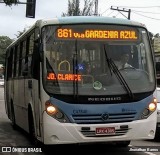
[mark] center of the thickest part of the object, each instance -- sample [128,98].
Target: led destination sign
[69,33]
[64,77]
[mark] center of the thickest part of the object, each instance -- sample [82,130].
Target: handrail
[62,62]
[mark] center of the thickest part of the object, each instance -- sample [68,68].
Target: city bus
[62,85]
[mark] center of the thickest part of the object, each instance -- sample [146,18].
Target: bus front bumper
[70,133]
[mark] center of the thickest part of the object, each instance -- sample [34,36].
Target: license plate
[105,131]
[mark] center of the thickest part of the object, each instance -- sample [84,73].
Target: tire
[31,128]
[13,120]
[32,133]
[157,135]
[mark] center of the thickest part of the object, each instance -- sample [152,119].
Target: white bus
[62,85]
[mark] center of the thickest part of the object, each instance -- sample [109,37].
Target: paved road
[19,139]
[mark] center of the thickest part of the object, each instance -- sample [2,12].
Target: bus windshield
[77,60]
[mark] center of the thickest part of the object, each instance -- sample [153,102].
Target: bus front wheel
[14,126]
[32,133]
[157,134]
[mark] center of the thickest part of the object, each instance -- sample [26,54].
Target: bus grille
[97,118]
[118,132]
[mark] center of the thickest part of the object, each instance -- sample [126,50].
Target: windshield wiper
[108,61]
[114,68]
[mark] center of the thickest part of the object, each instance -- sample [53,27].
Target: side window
[31,44]
[15,61]
[20,60]
[27,58]
[23,57]
[142,57]
[36,56]
[9,63]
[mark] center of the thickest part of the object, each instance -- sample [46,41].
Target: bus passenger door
[32,87]
[32,81]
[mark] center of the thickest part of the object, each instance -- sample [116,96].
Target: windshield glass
[76,60]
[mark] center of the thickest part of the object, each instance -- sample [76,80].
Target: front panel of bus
[89,97]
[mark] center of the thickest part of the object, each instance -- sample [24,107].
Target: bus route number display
[97,34]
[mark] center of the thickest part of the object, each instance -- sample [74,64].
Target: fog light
[151,133]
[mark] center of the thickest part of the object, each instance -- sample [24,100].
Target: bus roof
[90,19]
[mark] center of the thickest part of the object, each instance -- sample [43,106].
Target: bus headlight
[54,112]
[150,109]
[51,110]
[153,105]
